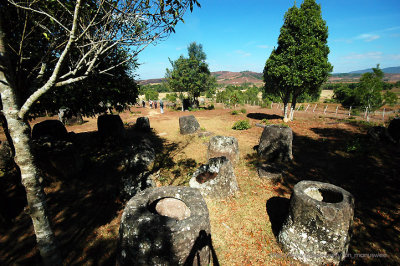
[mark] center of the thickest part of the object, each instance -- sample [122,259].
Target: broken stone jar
[215,179]
[165,226]
[317,229]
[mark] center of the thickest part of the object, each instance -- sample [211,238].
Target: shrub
[241,125]
[211,107]
[243,111]
[235,112]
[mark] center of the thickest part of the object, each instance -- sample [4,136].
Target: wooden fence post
[350,111]
[326,107]
[314,108]
[383,115]
[307,107]
[337,107]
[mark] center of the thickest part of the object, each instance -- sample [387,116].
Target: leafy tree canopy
[191,74]
[300,62]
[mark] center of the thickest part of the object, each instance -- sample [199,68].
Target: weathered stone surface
[394,129]
[215,179]
[135,168]
[269,172]
[67,117]
[148,238]
[110,126]
[142,123]
[6,155]
[316,230]
[224,146]
[50,128]
[188,124]
[135,181]
[276,144]
[172,207]
[59,155]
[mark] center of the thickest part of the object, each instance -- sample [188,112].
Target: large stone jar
[165,226]
[317,228]
[188,125]
[224,146]
[275,144]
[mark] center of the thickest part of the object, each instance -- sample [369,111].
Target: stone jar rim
[301,187]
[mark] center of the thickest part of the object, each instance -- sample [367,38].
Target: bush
[243,111]
[211,107]
[235,112]
[241,125]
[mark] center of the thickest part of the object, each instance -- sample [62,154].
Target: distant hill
[237,78]
[392,74]
[387,70]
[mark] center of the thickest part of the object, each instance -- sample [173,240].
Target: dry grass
[86,212]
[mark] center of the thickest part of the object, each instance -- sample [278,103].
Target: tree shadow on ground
[85,209]
[369,171]
[261,116]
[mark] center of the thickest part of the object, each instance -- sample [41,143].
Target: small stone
[173,208]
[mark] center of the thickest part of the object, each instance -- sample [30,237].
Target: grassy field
[86,209]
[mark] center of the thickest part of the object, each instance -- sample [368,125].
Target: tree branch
[36,95]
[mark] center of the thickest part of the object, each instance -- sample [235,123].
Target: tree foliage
[190,74]
[299,64]
[52,44]
[367,94]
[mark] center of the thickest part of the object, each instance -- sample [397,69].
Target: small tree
[368,93]
[191,74]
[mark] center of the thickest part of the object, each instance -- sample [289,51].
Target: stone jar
[224,146]
[276,144]
[215,179]
[165,226]
[111,126]
[317,228]
[188,124]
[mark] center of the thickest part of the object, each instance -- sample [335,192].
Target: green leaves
[299,64]
[190,74]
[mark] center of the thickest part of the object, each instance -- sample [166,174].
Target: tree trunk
[285,111]
[293,107]
[20,133]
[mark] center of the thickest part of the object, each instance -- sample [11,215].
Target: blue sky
[239,35]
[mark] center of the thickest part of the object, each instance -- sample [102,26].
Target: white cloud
[367,37]
[180,48]
[369,55]
[263,46]
[242,53]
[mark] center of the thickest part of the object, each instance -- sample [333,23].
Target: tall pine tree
[300,62]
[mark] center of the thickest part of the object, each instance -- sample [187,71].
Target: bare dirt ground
[86,209]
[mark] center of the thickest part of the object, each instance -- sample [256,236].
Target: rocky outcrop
[215,179]
[188,124]
[165,226]
[224,146]
[316,230]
